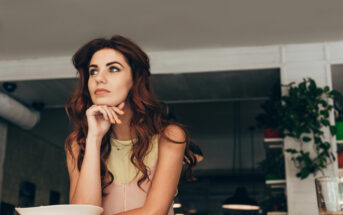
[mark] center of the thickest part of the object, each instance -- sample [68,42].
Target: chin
[108,103]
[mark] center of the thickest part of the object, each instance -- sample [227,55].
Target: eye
[114,69]
[91,71]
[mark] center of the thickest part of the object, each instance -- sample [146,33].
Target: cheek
[90,88]
[127,85]
[122,88]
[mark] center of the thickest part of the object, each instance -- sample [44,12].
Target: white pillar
[299,62]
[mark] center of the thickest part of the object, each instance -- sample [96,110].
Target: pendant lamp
[240,200]
[177,203]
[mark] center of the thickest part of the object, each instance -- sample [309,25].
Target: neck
[123,131]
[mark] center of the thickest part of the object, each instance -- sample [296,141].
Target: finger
[103,112]
[109,113]
[115,115]
[121,105]
[118,110]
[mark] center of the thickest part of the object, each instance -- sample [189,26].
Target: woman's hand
[100,117]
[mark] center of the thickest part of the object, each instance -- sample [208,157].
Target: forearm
[136,211]
[144,210]
[88,189]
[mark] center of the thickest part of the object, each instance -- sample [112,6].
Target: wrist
[94,136]
[93,140]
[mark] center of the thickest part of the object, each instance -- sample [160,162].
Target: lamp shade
[240,201]
[177,202]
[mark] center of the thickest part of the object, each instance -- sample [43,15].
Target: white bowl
[61,210]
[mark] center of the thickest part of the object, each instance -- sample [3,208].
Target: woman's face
[109,70]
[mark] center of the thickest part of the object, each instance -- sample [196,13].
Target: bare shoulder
[175,141]
[175,133]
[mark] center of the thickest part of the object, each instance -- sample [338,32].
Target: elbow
[85,202]
[155,210]
[85,199]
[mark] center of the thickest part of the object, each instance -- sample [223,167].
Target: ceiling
[42,28]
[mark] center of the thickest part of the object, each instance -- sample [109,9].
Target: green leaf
[306,139]
[325,113]
[333,156]
[302,86]
[323,103]
[304,173]
[292,151]
[319,91]
[326,89]
[325,122]
[335,93]
[333,130]
[317,140]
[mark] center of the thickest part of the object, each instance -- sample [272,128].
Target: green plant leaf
[333,130]
[323,103]
[292,151]
[335,93]
[304,111]
[325,122]
[306,139]
[325,113]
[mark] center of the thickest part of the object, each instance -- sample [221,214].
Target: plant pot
[339,130]
[272,176]
[340,160]
[270,133]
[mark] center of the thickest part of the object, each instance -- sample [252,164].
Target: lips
[101,91]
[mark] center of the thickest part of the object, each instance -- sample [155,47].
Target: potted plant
[273,166]
[270,118]
[339,131]
[304,112]
[339,121]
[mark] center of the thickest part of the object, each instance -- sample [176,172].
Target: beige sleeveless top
[124,193]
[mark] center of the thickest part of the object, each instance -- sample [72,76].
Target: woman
[125,154]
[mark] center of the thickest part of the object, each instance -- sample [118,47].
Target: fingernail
[119,121]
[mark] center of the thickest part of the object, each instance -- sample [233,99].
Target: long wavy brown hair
[150,116]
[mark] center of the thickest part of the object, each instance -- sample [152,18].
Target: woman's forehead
[106,55]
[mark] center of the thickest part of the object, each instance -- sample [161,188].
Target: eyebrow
[107,64]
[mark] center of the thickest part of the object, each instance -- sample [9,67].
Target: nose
[100,77]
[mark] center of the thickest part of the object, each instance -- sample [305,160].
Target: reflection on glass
[329,195]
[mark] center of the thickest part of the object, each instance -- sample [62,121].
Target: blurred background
[214,62]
